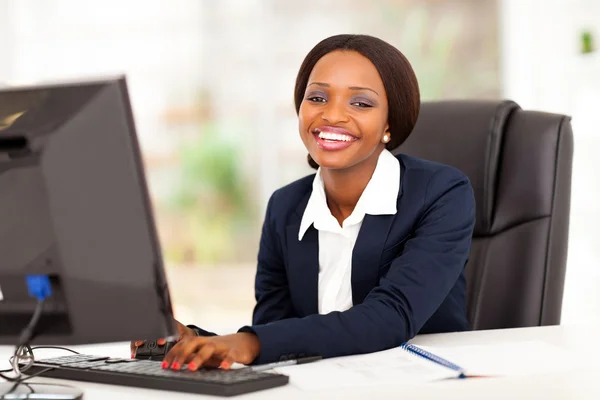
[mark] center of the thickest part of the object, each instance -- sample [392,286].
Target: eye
[361,104]
[316,99]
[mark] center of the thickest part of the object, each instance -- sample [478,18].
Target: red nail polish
[192,366]
[164,365]
[224,365]
[175,365]
[132,355]
[161,342]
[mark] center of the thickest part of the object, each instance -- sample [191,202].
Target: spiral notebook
[421,352]
[412,364]
[407,364]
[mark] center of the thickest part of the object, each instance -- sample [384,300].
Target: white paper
[508,359]
[400,366]
[390,366]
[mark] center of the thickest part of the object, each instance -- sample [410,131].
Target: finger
[229,359]
[213,362]
[199,359]
[134,345]
[182,349]
[161,341]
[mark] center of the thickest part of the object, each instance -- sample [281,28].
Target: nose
[334,112]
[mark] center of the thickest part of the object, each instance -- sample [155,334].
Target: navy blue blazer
[407,270]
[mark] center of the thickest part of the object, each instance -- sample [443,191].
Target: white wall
[543,70]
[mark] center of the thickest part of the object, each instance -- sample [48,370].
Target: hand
[213,351]
[183,331]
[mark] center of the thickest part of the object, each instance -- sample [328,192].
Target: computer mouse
[151,350]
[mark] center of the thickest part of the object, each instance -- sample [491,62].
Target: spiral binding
[432,357]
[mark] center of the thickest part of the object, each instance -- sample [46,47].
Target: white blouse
[337,242]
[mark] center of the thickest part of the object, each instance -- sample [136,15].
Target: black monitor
[75,210]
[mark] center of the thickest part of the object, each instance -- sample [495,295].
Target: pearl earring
[386,138]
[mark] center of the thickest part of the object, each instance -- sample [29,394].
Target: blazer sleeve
[416,284]
[272,293]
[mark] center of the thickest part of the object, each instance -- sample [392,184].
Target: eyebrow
[349,87]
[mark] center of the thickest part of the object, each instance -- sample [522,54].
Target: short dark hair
[397,75]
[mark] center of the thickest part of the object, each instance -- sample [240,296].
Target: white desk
[579,384]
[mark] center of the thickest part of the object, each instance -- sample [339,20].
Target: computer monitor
[74,206]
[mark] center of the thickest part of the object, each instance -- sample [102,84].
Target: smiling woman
[343,110]
[371,249]
[363,85]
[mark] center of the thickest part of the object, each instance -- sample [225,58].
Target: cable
[30,351]
[23,347]
[40,289]
[36,374]
[29,332]
[19,382]
[56,348]
[29,358]
[22,355]
[14,360]
[31,390]
[28,386]
[12,389]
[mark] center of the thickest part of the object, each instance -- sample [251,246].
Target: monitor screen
[74,206]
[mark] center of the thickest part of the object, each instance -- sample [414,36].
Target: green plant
[587,42]
[208,206]
[210,169]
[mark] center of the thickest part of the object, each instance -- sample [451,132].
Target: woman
[370,250]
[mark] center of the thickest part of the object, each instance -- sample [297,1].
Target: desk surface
[581,383]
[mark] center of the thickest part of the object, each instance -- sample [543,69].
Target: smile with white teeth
[335,136]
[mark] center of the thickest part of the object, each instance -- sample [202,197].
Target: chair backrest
[519,164]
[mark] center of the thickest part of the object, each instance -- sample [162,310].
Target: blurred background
[211,84]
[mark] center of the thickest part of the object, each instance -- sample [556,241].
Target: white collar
[379,198]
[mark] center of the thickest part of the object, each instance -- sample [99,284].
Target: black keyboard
[149,374]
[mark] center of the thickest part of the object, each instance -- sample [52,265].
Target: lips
[333,138]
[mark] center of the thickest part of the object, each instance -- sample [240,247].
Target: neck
[343,187]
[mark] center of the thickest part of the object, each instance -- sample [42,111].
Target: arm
[417,283]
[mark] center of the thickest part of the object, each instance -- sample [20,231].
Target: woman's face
[343,116]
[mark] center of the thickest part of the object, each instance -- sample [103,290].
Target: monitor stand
[38,391]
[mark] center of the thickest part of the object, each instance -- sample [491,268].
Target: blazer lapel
[303,263]
[367,254]
[368,248]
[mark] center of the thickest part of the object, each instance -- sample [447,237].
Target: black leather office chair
[519,163]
